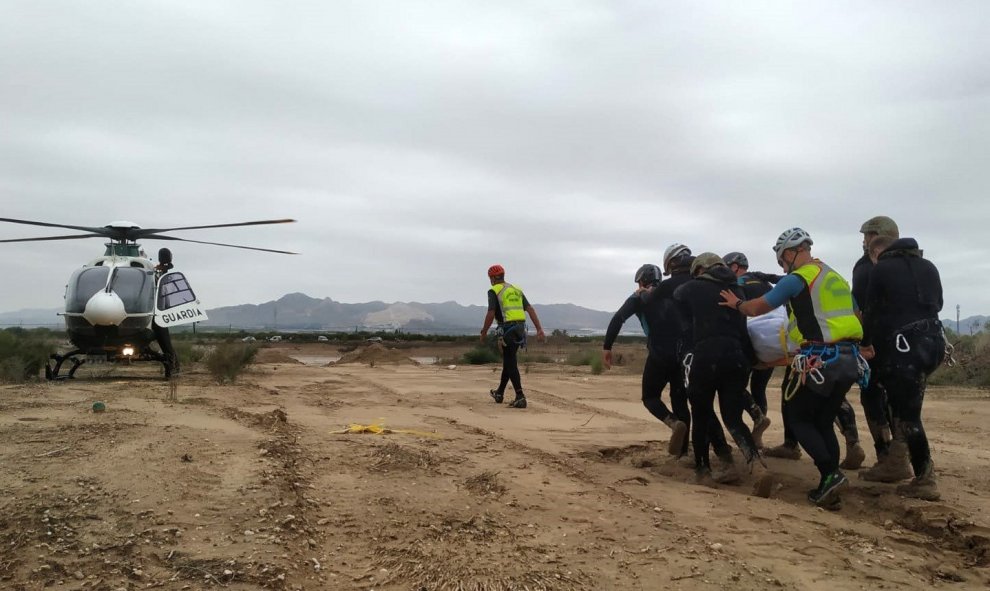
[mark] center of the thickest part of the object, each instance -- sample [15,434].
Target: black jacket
[861,279]
[698,301]
[903,288]
[757,284]
[668,325]
[653,313]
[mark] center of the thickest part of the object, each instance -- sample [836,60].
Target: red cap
[495,271]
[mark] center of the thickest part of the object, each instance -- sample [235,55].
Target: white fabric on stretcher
[769,335]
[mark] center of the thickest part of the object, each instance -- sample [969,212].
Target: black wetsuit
[721,361]
[872,397]
[902,306]
[513,336]
[667,367]
[662,332]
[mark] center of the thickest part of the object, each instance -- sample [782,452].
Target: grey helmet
[737,258]
[648,274]
[673,252]
[790,239]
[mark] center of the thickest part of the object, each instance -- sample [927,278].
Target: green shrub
[583,357]
[481,355]
[597,365]
[22,355]
[188,353]
[227,360]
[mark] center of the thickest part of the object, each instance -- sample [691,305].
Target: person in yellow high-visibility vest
[824,320]
[508,306]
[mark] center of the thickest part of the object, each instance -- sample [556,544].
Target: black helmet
[648,274]
[737,258]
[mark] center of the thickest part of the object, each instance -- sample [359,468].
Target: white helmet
[673,251]
[790,239]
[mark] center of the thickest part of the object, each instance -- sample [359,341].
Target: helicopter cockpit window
[83,284]
[174,291]
[136,288]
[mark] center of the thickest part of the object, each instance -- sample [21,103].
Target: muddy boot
[726,471]
[892,466]
[787,451]
[760,425]
[703,476]
[922,487]
[763,480]
[678,431]
[855,455]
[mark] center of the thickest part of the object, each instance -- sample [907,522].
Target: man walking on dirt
[822,318]
[508,306]
[892,452]
[660,337]
[901,322]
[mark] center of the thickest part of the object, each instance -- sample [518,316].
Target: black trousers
[664,369]
[811,409]
[904,375]
[719,368]
[758,380]
[512,338]
[656,376]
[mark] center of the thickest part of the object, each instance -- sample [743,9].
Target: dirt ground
[255,485]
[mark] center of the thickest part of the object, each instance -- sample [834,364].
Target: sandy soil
[254,485]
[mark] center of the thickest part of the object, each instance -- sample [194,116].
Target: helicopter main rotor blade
[70,237]
[97,231]
[162,237]
[146,232]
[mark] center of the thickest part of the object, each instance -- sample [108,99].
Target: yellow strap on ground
[381,429]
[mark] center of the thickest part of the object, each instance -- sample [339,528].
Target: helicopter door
[176,303]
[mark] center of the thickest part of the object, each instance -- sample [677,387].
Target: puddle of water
[316,359]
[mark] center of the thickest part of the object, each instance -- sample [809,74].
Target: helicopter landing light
[128,351]
[105,309]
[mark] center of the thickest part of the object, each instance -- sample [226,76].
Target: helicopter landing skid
[52,372]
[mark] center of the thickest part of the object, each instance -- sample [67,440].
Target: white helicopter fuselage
[112,301]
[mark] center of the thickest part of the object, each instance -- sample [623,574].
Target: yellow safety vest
[825,307]
[510,301]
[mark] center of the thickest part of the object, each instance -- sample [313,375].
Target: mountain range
[300,312]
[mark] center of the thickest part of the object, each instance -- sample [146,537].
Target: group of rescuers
[883,333]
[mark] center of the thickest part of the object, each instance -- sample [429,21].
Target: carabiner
[902,343]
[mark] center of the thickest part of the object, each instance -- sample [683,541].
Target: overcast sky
[417,143]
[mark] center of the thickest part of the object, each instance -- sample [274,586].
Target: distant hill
[33,318]
[298,311]
[970,325]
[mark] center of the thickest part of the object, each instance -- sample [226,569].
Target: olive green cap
[880,225]
[705,260]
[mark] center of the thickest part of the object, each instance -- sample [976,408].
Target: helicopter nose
[104,309]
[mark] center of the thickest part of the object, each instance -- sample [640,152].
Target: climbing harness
[809,363]
[688,360]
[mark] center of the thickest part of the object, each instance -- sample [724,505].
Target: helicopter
[118,304]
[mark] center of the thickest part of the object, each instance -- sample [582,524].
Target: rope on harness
[809,362]
[864,369]
[688,360]
[949,360]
